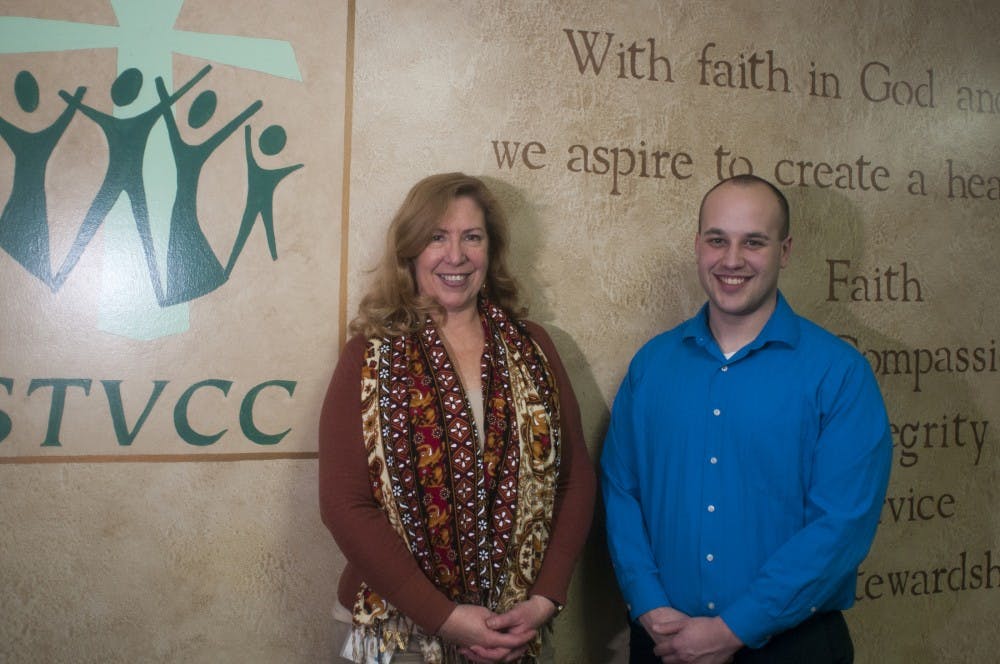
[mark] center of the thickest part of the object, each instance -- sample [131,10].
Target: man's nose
[734,255]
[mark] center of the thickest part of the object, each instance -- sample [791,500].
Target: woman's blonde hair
[393,305]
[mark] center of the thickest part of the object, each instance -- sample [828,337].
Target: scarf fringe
[379,642]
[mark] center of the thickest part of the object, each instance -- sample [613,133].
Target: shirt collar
[782,327]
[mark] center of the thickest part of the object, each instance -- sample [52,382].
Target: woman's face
[452,267]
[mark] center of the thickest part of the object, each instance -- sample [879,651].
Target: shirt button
[812,609]
[711,508]
[710,557]
[725,368]
[714,460]
[716,412]
[711,606]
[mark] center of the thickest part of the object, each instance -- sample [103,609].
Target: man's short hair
[747,180]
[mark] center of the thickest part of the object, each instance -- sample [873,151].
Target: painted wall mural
[183,155]
[146,41]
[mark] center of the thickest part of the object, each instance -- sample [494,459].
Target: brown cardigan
[376,554]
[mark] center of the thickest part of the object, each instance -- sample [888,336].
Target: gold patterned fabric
[476,515]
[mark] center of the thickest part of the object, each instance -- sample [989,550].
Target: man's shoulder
[661,346]
[815,335]
[668,339]
[819,343]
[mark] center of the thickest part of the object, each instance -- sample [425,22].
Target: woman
[453,471]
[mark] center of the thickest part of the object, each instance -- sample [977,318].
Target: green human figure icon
[192,267]
[126,138]
[261,184]
[144,35]
[24,223]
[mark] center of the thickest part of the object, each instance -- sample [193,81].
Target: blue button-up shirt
[747,488]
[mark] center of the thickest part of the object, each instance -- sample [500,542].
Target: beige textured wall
[191,558]
[608,264]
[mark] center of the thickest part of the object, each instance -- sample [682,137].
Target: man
[746,462]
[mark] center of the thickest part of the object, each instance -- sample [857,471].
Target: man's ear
[786,250]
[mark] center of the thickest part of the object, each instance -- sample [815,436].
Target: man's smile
[732,280]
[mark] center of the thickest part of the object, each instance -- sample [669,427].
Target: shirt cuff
[743,617]
[643,595]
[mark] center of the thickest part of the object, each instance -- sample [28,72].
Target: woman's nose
[455,253]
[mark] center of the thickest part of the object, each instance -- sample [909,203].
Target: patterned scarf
[475,515]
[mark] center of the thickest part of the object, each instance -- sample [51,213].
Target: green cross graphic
[146,40]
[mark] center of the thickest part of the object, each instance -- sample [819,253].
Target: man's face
[740,251]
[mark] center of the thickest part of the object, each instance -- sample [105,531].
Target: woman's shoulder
[355,345]
[542,340]
[352,354]
[533,328]
[537,333]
